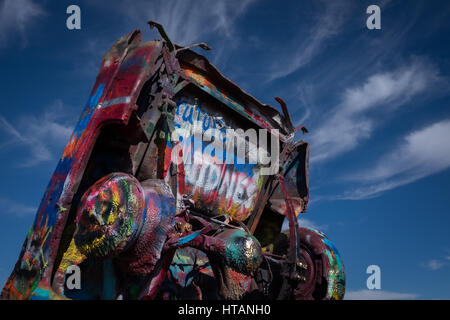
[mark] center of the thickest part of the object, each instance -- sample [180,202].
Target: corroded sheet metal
[296,179]
[214,185]
[121,76]
[113,213]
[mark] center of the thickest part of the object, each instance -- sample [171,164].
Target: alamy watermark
[374,20]
[73,21]
[73,277]
[193,145]
[374,280]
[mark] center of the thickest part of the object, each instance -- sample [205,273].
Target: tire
[321,268]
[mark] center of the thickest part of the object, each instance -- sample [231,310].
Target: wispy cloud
[16,16]
[421,153]
[436,264]
[10,207]
[39,134]
[378,295]
[191,20]
[353,119]
[433,265]
[306,223]
[327,25]
[304,95]
[185,22]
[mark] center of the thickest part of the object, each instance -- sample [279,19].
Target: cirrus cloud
[378,295]
[421,153]
[17,16]
[353,119]
[39,135]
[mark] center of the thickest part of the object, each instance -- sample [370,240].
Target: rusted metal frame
[289,263]
[167,77]
[271,181]
[196,239]
[170,57]
[168,88]
[287,117]
[200,240]
[182,84]
[294,240]
[168,74]
[162,32]
[193,213]
[149,118]
[284,156]
[173,66]
[289,272]
[273,256]
[263,197]
[206,67]
[207,225]
[237,107]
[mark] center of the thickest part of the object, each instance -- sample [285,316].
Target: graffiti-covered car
[175,185]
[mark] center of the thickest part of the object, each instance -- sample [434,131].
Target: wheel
[322,275]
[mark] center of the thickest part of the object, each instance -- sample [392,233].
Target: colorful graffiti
[42,247]
[109,215]
[330,261]
[138,223]
[216,184]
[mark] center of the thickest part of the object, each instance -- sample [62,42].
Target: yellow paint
[95,244]
[115,196]
[112,217]
[71,257]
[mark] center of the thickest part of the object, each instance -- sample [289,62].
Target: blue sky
[376,103]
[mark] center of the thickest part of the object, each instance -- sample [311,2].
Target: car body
[121,209]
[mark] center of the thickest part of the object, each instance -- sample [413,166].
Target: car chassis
[119,208]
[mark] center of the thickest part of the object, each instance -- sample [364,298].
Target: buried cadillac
[152,199]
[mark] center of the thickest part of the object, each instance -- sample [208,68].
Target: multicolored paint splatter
[116,80]
[333,268]
[215,185]
[114,201]
[109,215]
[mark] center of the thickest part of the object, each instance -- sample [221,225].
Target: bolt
[188,227]
[300,278]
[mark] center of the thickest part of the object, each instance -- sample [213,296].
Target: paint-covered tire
[320,267]
[120,217]
[324,276]
[109,215]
